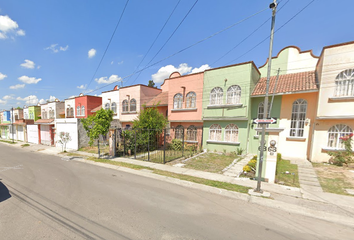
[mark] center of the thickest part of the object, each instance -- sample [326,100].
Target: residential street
[52,198]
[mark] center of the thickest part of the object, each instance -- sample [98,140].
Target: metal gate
[45,135]
[32,131]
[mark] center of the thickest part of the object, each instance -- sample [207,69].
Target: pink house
[132,99]
[185,103]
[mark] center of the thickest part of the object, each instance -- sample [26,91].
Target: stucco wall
[67,125]
[114,98]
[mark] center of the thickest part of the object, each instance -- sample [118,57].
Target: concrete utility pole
[273,6]
[12,124]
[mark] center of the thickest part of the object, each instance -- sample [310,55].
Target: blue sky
[52,49]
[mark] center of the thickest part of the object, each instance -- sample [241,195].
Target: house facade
[132,100]
[227,106]
[335,111]
[110,100]
[85,103]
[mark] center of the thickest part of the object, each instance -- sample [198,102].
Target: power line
[153,43]
[168,38]
[109,43]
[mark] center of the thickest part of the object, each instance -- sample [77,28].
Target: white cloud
[51,99]
[91,53]
[38,67]
[166,71]
[9,26]
[183,68]
[3,102]
[42,101]
[81,87]
[21,32]
[2,76]
[111,62]
[8,97]
[29,100]
[111,79]
[17,86]
[28,64]
[29,80]
[55,48]
[119,63]
[201,68]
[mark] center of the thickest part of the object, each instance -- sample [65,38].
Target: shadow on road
[4,192]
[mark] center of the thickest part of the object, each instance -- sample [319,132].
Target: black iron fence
[160,146]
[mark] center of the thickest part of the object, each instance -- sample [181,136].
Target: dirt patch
[335,179]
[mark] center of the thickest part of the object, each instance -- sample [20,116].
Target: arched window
[233,94]
[68,112]
[335,135]
[78,109]
[83,111]
[192,133]
[106,106]
[298,117]
[215,132]
[345,84]
[133,105]
[179,132]
[114,108]
[231,133]
[177,101]
[191,100]
[72,112]
[216,96]
[43,115]
[125,106]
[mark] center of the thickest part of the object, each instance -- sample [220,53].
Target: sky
[60,48]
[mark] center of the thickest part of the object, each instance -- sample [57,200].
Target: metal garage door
[20,133]
[32,131]
[45,135]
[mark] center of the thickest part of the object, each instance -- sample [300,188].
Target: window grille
[234,94]
[335,134]
[133,105]
[298,117]
[177,101]
[215,132]
[191,100]
[345,84]
[231,133]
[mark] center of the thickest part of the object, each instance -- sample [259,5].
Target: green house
[227,106]
[34,112]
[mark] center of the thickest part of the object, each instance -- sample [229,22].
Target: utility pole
[12,124]
[273,6]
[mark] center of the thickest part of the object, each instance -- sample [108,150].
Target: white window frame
[344,84]
[191,133]
[216,96]
[82,110]
[132,105]
[215,131]
[298,118]
[191,99]
[107,106]
[233,94]
[335,133]
[125,106]
[231,133]
[78,111]
[114,107]
[177,101]
[179,132]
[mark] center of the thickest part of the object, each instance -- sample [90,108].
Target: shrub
[254,157]
[343,157]
[239,151]
[278,157]
[176,145]
[247,168]
[252,163]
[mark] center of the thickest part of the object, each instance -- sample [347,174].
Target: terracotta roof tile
[96,108]
[287,83]
[161,99]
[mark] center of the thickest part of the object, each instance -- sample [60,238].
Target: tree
[150,118]
[98,124]
[151,83]
[64,138]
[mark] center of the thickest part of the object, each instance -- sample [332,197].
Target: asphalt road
[46,197]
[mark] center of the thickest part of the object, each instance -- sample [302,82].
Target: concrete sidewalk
[303,200]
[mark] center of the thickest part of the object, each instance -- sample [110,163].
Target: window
[233,94]
[83,111]
[78,111]
[215,132]
[68,112]
[133,105]
[125,106]
[335,134]
[260,114]
[44,115]
[192,133]
[177,101]
[71,112]
[179,132]
[114,108]
[345,84]
[106,106]
[298,117]
[191,100]
[231,133]
[51,114]
[216,96]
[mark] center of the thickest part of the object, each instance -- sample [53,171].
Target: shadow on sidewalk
[4,192]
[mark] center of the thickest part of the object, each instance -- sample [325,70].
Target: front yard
[335,179]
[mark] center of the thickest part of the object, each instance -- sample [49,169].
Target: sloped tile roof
[39,121]
[96,108]
[287,83]
[161,99]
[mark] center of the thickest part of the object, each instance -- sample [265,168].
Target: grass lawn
[8,141]
[334,179]
[289,179]
[211,162]
[94,149]
[222,185]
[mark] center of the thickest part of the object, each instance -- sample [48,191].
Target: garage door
[32,131]
[45,135]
